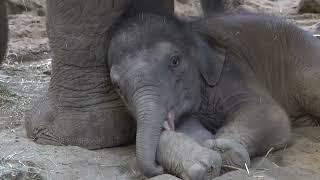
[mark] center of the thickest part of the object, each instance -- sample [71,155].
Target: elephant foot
[234,155]
[92,127]
[206,165]
[183,157]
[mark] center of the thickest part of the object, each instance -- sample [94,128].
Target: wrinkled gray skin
[182,156]
[81,108]
[3,30]
[241,76]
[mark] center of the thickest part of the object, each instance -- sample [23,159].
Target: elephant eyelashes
[116,87]
[120,93]
[175,61]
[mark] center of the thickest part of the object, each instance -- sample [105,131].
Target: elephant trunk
[150,116]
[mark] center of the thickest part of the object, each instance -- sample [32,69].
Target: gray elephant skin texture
[81,108]
[238,77]
[3,30]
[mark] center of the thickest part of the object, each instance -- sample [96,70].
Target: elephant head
[159,66]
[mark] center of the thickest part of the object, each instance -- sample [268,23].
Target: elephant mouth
[168,123]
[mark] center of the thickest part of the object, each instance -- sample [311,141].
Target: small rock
[309,6]
[48,72]
[164,177]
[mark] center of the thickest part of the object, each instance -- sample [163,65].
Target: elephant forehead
[157,52]
[146,60]
[129,47]
[163,48]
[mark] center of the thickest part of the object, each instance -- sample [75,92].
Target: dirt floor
[25,75]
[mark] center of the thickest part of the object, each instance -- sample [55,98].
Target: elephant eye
[175,61]
[116,88]
[119,92]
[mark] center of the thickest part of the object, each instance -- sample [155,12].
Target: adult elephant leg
[81,108]
[3,29]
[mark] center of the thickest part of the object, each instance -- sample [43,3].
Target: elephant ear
[211,65]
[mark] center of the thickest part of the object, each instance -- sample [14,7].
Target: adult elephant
[81,108]
[3,30]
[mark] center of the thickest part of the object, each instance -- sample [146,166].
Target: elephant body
[281,57]
[3,30]
[231,82]
[81,108]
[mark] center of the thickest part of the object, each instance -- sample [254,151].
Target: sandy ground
[25,75]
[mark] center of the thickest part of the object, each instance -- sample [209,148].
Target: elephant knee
[233,153]
[279,130]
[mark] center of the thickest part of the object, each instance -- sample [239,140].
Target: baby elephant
[230,82]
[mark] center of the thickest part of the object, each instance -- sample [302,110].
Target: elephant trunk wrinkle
[150,116]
